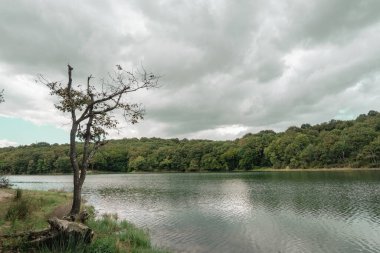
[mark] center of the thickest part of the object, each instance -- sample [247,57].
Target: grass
[112,235]
[28,210]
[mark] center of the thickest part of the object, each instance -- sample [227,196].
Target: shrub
[19,210]
[4,182]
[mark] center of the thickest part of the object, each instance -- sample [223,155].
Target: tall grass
[19,210]
[116,236]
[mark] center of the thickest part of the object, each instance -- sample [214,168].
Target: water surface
[321,211]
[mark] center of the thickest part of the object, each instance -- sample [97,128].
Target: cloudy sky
[227,67]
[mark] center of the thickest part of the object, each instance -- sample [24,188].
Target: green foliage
[335,143]
[19,210]
[139,164]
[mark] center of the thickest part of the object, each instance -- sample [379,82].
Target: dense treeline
[354,143]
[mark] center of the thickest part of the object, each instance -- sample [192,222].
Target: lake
[324,211]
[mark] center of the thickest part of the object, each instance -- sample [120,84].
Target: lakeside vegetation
[27,210]
[24,211]
[333,144]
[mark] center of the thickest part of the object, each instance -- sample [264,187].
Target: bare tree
[91,112]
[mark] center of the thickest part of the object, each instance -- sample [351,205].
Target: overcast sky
[227,67]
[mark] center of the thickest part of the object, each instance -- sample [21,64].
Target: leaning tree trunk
[75,208]
[77,199]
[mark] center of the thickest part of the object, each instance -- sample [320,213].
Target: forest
[333,144]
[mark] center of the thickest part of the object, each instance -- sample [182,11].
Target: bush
[4,182]
[19,210]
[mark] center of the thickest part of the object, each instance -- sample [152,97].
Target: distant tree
[370,155]
[4,182]
[373,113]
[211,163]
[353,143]
[231,158]
[62,164]
[91,111]
[138,164]
[305,126]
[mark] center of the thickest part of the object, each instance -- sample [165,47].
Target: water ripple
[241,212]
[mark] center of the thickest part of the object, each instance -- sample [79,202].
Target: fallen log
[26,234]
[61,232]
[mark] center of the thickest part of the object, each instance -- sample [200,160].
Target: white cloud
[27,100]
[7,143]
[226,65]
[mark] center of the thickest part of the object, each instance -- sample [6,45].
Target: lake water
[240,212]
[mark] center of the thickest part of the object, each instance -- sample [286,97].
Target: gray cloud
[227,67]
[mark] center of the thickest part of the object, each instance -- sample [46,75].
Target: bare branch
[89,92]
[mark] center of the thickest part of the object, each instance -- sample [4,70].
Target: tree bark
[73,152]
[61,232]
[77,199]
[75,208]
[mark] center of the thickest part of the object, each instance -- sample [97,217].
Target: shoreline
[316,169]
[205,172]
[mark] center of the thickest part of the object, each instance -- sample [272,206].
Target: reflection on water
[240,212]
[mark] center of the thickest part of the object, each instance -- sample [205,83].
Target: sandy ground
[61,211]
[5,194]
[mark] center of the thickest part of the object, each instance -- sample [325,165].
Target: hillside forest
[333,144]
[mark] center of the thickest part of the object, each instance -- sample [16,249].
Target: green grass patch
[23,211]
[112,236]
[28,210]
